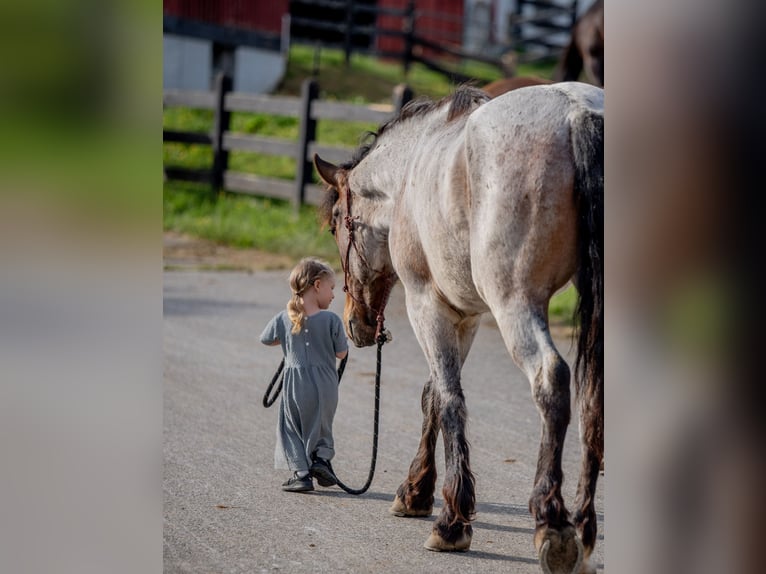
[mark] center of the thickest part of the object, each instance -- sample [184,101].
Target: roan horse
[480,205]
[498,87]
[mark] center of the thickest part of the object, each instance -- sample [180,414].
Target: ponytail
[303,276]
[296,312]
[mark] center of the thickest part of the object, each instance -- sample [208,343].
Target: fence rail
[308,109]
[433,46]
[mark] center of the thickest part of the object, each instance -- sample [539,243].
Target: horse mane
[463,100]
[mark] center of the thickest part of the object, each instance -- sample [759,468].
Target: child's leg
[290,447]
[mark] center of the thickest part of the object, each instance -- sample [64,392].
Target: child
[311,338]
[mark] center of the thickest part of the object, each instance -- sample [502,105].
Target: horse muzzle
[361,334]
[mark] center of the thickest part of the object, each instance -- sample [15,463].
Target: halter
[390,278]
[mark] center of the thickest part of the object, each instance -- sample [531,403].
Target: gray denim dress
[310,390]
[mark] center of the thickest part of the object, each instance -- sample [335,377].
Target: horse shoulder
[407,253]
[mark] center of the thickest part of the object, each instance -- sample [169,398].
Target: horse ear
[326,170]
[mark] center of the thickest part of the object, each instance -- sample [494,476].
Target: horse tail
[587,131]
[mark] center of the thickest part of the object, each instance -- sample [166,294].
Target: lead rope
[382,338]
[268,401]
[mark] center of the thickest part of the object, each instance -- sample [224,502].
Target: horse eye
[332,230]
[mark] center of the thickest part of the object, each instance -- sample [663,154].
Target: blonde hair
[303,276]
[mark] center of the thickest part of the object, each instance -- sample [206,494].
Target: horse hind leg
[560,549]
[415,496]
[525,331]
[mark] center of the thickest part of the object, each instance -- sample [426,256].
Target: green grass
[372,80]
[245,222]
[562,305]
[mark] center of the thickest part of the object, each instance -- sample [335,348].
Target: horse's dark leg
[592,438]
[526,334]
[452,529]
[415,496]
[445,339]
[594,66]
[570,62]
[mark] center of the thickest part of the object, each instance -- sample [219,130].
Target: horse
[483,205]
[503,85]
[585,48]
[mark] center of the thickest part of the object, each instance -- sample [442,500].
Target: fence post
[349,26]
[409,31]
[402,95]
[221,120]
[304,166]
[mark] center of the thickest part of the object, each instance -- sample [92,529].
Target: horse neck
[377,180]
[383,171]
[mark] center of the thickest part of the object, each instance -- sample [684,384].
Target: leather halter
[390,278]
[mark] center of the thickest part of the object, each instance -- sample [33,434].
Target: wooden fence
[307,108]
[418,43]
[540,29]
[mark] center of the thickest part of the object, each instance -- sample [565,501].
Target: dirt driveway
[184,252]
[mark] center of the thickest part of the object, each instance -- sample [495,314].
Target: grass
[272,225]
[562,305]
[245,222]
[371,80]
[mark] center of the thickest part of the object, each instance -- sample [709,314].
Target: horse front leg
[447,351]
[445,339]
[415,496]
[452,529]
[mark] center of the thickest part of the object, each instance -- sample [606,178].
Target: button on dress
[310,389]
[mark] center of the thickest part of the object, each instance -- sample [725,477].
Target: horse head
[352,216]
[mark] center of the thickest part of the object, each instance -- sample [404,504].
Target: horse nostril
[350,328]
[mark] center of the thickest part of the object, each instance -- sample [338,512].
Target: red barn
[439,21]
[239,14]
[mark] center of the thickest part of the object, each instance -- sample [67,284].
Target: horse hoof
[436,543]
[398,508]
[560,551]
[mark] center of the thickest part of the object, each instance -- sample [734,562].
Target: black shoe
[322,471]
[296,484]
